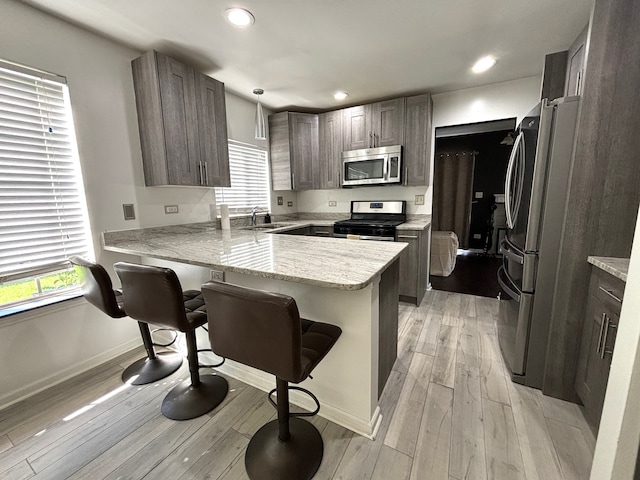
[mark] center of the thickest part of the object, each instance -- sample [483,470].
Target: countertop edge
[618,267]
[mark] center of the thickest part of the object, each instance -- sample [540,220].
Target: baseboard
[266,383]
[33,388]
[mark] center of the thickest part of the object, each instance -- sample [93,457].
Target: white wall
[490,102]
[619,432]
[42,347]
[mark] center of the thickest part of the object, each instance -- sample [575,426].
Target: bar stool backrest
[153,295]
[97,287]
[257,328]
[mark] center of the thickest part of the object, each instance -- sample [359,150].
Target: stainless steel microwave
[372,166]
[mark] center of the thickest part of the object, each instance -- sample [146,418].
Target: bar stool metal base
[149,370]
[269,458]
[185,402]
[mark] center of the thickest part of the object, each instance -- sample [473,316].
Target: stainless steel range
[372,220]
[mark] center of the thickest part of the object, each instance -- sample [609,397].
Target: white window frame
[40,180]
[234,196]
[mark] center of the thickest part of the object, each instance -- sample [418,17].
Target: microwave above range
[372,166]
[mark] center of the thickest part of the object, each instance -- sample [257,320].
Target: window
[43,217]
[249,173]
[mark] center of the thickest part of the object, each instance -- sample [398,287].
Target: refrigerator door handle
[507,183]
[505,287]
[510,253]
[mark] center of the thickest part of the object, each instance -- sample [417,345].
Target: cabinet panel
[409,262]
[356,132]
[417,140]
[304,150]
[177,92]
[214,149]
[576,72]
[279,153]
[330,148]
[386,122]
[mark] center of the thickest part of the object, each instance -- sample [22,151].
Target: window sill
[39,303]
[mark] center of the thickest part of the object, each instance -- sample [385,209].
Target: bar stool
[98,290]
[264,330]
[154,294]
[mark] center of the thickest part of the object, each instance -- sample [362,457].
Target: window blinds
[42,205]
[249,174]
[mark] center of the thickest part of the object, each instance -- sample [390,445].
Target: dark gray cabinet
[597,343]
[374,125]
[182,123]
[414,264]
[330,149]
[294,151]
[417,140]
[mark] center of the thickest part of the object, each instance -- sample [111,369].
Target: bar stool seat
[154,294]
[98,290]
[264,330]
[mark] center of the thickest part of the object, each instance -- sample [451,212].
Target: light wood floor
[450,412]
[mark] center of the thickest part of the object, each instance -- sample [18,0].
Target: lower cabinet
[414,264]
[598,339]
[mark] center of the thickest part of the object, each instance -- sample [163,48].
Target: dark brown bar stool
[154,294]
[98,290]
[264,330]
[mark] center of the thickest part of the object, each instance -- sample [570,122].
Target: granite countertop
[325,262]
[618,267]
[415,222]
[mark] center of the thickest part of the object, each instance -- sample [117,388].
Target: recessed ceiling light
[239,17]
[340,95]
[484,64]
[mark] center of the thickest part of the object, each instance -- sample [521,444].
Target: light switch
[289,204]
[129,211]
[477,236]
[419,200]
[479,194]
[280,201]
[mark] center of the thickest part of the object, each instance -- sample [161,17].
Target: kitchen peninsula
[352,284]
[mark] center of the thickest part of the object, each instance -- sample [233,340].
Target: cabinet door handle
[375,138]
[604,320]
[206,174]
[199,173]
[370,139]
[603,350]
[608,292]
[322,232]
[293,181]
[408,236]
[406,175]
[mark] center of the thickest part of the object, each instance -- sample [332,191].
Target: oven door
[354,232]
[513,323]
[365,171]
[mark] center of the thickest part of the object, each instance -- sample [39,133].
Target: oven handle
[385,168]
[504,286]
[364,237]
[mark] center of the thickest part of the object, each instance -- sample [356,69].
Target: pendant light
[261,129]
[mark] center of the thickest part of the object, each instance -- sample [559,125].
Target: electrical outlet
[333,203]
[419,200]
[289,204]
[217,275]
[129,211]
[280,201]
[477,236]
[479,194]
[170,209]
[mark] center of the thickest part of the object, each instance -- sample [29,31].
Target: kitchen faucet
[253,215]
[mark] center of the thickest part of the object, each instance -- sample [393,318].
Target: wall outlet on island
[419,200]
[333,203]
[280,201]
[217,275]
[289,204]
[170,209]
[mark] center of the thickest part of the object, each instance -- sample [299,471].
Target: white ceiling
[302,51]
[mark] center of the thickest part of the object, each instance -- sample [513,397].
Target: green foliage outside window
[21,290]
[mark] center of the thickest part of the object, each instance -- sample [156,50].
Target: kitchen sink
[266,226]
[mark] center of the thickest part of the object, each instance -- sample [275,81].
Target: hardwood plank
[444,363]
[392,464]
[5,443]
[558,410]
[255,417]
[572,448]
[428,339]
[468,348]
[467,458]
[503,456]
[360,457]
[190,449]
[403,431]
[451,311]
[336,440]
[493,379]
[20,471]
[538,453]
[468,306]
[237,470]
[215,460]
[407,343]
[431,458]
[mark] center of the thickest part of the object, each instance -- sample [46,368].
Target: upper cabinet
[306,148]
[182,122]
[375,125]
[294,151]
[330,149]
[576,65]
[417,140]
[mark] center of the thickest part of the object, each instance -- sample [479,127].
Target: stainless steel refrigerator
[536,185]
